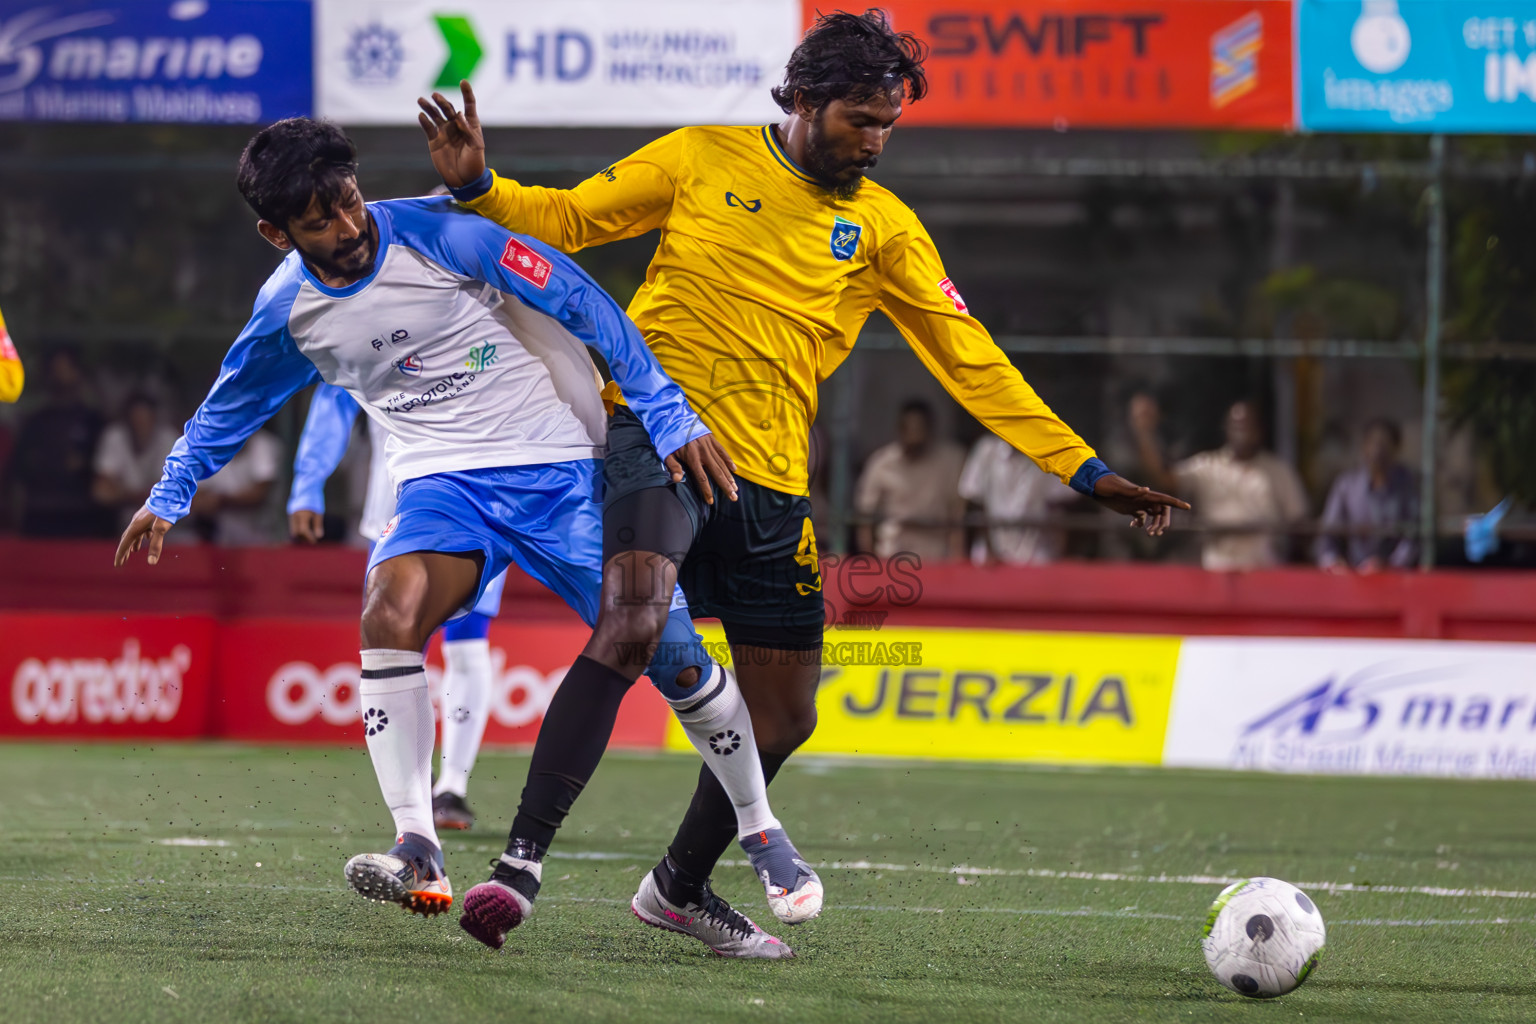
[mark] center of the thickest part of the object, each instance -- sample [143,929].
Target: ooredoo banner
[288,681]
[106,676]
[192,61]
[1355,707]
[1101,63]
[580,62]
[988,695]
[263,680]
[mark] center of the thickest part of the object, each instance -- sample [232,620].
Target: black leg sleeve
[571,742]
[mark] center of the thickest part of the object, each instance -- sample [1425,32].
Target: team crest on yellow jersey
[845,238]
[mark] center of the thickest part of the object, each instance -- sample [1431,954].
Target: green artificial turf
[105,921]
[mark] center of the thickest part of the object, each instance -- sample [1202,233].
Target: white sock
[719,726]
[397,719]
[466,706]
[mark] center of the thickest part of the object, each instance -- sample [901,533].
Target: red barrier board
[106,676]
[1100,63]
[295,681]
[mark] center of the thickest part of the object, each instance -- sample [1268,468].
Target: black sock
[707,831]
[571,742]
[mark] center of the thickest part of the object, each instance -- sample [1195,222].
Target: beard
[354,261]
[828,170]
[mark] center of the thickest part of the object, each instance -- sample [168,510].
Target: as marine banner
[1355,707]
[187,61]
[1101,63]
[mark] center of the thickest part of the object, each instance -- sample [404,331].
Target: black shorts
[751,563]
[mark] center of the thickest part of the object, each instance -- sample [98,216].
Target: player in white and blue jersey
[466,342]
[467,669]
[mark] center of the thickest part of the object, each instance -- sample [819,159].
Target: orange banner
[1101,63]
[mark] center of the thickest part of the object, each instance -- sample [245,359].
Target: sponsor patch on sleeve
[948,288]
[526,263]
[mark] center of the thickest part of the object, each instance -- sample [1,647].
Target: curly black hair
[290,163]
[852,57]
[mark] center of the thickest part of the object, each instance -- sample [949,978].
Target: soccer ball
[1263,937]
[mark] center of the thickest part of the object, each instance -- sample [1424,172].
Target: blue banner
[1417,65]
[191,61]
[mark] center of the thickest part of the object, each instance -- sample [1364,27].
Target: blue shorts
[489,604]
[547,519]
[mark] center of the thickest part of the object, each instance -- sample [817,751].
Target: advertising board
[284,681]
[581,62]
[1101,63]
[190,61]
[1355,707]
[989,695]
[1417,65]
[105,676]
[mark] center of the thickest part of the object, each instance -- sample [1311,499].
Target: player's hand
[1149,510]
[705,460]
[145,527]
[306,525]
[454,137]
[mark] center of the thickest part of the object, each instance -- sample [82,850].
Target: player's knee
[637,623]
[786,730]
[631,632]
[391,621]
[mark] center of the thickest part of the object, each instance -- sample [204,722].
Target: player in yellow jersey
[774,250]
[11,375]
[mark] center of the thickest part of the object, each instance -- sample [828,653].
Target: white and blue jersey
[467,346]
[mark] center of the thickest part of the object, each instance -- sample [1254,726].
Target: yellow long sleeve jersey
[761,283]
[11,375]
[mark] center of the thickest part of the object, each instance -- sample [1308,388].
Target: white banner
[576,62]
[1367,707]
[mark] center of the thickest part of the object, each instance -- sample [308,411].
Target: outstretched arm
[626,199]
[931,314]
[327,433]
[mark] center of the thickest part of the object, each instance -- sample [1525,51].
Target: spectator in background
[1007,486]
[55,454]
[1237,485]
[912,486]
[130,456]
[1382,493]
[232,507]
[1127,448]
